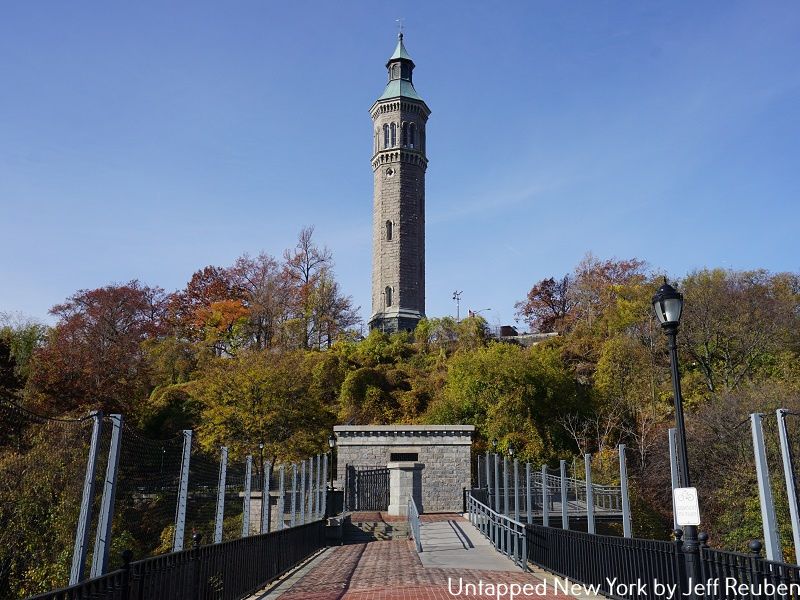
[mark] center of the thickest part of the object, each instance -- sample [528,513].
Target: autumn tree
[93,357]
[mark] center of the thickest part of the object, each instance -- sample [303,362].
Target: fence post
[587,459]
[516,489]
[82,532]
[564,502]
[293,513]
[791,484]
[506,502]
[102,542]
[528,492]
[545,499]
[325,485]
[281,497]
[623,484]
[311,492]
[303,492]
[219,516]
[673,471]
[768,520]
[265,508]
[248,482]
[183,491]
[489,490]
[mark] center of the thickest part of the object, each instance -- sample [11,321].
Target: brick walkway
[392,571]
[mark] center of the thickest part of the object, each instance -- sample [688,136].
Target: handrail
[505,534]
[414,522]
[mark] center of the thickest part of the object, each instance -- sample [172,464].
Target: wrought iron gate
[367,488]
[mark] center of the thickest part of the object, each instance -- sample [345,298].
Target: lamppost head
[331,441]
[511,451]
[668,305]
[494,444]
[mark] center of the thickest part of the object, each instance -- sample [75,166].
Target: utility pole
[457,298]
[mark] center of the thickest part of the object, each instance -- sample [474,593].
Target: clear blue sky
[148,139]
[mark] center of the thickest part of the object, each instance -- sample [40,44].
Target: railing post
[791,484]
[564,502]
[81,548]
[768,520]
[514,541]
[281,497]
[623,484]
[219,516]
[196,538]
[102,541]
[265,508]
[293,513]
[673,471]
[545,499]
[248,482]
[183,492]
[528,492]
[587,459]
[127,556]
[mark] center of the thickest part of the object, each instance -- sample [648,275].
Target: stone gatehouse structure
[443,450]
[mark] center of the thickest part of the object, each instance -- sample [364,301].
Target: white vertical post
[769,523]
[265,508]
[248,481]
[320,487]
[183,492]
[281,497]
[791,485]
[325,485]
[623,484]
[303,492]
[516,489]
[564,502]
[293,513]
[219,517]
[587,459]
[311,491]
[497,508]
[673,471]
[489,490]
[528,492]
[545,499]
[85,518]
[506,501]
[102,542]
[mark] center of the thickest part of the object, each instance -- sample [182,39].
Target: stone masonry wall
[445,450]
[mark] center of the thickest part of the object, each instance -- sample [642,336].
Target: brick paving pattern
[392,571]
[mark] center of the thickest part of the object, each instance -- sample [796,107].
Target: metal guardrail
[225,571]
[505,534]
[414,523]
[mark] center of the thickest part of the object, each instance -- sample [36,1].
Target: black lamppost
[331,445]
[511,451]
[668,306]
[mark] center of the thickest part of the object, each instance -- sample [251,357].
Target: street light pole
[331,445]
[668,306]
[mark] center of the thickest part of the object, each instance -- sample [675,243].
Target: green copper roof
[399,87]
[400,50]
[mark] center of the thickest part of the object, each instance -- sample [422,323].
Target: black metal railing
[747,575]
[615,565]
[226,571]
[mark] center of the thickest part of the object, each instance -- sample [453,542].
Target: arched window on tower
[393,129]
[388,293]
[412,131]
[389,231]
[385,135]
[404,129]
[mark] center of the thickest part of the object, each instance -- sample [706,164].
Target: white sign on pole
[687,509]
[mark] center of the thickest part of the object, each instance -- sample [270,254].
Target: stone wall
[444,450]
